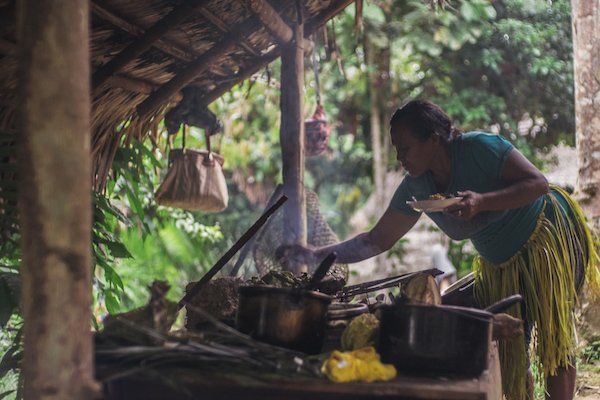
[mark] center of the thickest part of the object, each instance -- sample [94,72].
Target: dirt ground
[588,382]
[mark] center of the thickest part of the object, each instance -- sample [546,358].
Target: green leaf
[111,301]
[6,394]
[7,302]
[116,249]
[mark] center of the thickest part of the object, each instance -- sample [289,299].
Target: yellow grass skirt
[544,272]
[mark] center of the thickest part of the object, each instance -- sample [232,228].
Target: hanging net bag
[273,235]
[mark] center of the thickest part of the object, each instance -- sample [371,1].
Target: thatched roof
[207,45]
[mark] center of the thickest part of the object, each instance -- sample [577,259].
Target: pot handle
[504,303]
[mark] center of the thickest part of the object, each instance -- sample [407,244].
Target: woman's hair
[424,120]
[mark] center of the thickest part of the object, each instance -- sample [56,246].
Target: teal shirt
[477,160]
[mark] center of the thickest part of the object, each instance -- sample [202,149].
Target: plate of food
[435,203]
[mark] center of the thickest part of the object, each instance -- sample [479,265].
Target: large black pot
[291,318]
[428,339]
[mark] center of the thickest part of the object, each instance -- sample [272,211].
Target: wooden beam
[55,204]
[170,47]
[311,26]
[216,21]
[271,20]
[195,68]
[275,25]
[292,139]
[147,40]
[241,76]
[138,85]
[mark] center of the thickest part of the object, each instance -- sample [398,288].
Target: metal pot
[438,339]
[291,318]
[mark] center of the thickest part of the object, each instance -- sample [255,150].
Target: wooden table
[208,385]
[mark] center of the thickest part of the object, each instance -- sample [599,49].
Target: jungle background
[503,66]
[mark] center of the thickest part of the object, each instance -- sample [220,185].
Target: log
[292,140]
[172,48]
[271,20]
[147,40]
[55,204]
[275,25]
[195,68]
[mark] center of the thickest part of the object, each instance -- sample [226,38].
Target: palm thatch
[139,46]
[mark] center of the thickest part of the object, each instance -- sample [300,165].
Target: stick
[230,253]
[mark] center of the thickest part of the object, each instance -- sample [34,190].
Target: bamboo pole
[55,204]
[292,137]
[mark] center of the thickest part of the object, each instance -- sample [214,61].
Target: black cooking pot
[447,340]
[291,318]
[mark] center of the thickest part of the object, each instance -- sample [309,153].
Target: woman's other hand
[470,205]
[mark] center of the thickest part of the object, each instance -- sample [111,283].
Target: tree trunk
[378,80]
[586,57]
[292,139]
[55,199]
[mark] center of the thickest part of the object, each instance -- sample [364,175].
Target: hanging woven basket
[317,131]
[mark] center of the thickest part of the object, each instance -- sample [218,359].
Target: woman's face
[414,156]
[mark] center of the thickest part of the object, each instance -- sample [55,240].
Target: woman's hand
[295,254]
[470,205]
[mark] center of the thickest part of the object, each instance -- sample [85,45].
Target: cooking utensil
[321,271]
[384,283]
[339,310]
[231,252]
[437,339]
[433,205]
[292,318]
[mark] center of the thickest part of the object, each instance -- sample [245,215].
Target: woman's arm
[391,226]
[526,183]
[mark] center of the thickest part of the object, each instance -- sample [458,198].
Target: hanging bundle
[194,181]
[316,128]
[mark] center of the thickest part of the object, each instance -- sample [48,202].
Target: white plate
[433,205]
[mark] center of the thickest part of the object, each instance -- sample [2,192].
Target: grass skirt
[544,272]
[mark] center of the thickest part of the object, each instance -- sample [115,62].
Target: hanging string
[183,138]
[316,71]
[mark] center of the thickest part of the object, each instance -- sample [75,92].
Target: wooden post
[55,199]
[292,136]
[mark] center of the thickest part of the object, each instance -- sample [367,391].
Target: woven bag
[194,181]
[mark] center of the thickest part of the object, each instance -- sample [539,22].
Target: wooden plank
[147,40]
[195,68]
[292,140]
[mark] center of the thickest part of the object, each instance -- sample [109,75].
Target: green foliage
[136,241]
[591,353]
[461,254]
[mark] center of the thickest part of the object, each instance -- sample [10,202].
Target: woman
[531,238]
